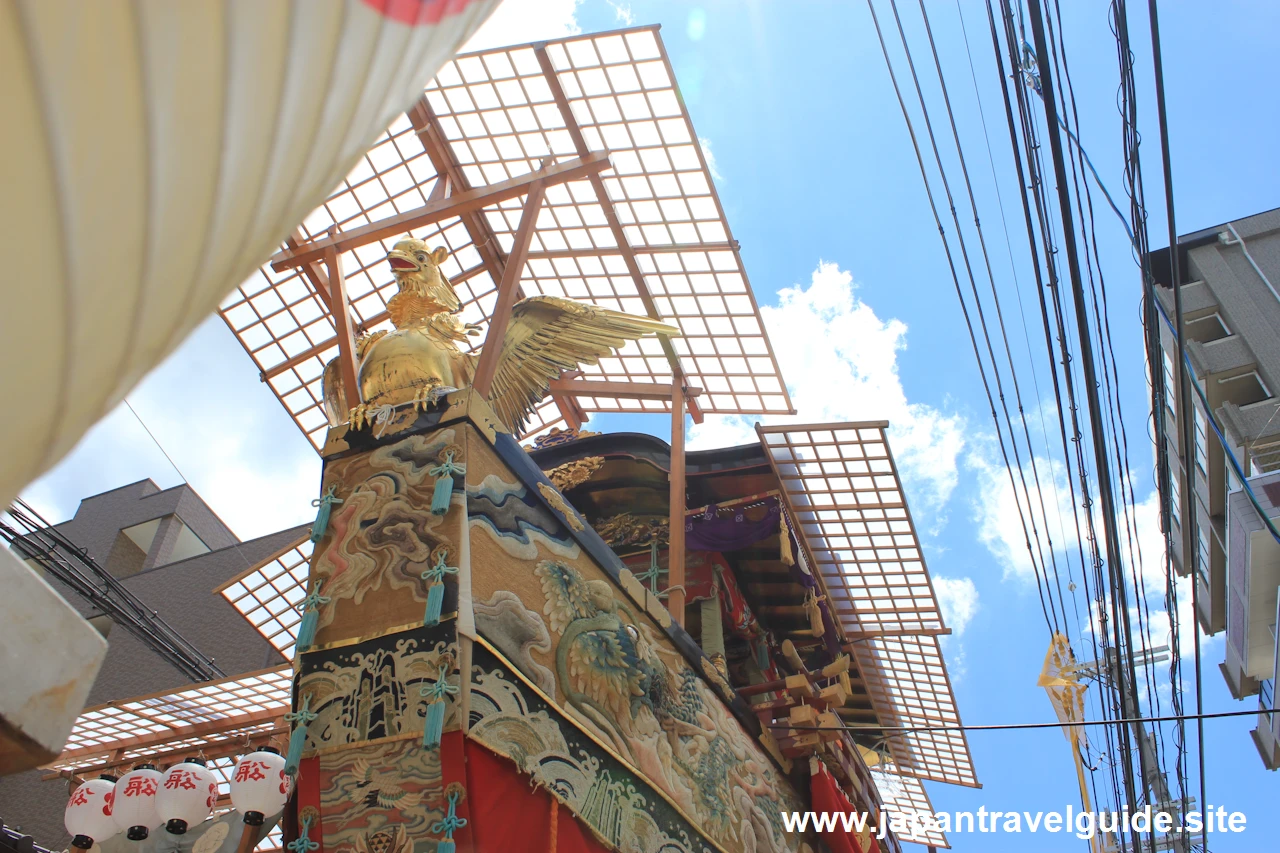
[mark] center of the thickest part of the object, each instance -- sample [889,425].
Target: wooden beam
[313,271]
[675,547]
[455,205]
[427,126]
[507,292]
[340,310]
[624,390]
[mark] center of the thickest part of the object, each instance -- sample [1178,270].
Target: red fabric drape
[509,815]
[825,796]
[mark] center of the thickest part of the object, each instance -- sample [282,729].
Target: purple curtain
[709,531]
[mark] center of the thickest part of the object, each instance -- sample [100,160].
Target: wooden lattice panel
[907,681]
[268,595]
[492,116]
[846,501]
[232,707]
[905,795]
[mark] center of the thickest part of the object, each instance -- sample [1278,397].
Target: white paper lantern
[259,787]
[134,809]
[153,155]
[187,794]
[88,815]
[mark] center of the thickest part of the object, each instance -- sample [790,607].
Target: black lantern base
[82,842]
[176,827]
[137,833]
[254,818]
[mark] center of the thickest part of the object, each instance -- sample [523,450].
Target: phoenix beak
[401,261]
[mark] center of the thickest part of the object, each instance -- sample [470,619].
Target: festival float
[511,633]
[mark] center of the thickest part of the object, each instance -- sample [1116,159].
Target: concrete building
[170,550]
[1232,318]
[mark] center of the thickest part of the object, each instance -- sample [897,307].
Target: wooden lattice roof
[847,504]
[646,235]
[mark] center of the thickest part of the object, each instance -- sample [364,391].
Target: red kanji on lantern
[80,797]
[184,779]
[251,771]
[213,794]
[284,783]
[140,786]
[108,799]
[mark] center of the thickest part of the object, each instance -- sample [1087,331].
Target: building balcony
[1253,575]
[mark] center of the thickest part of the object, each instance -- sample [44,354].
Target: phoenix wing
[548,335]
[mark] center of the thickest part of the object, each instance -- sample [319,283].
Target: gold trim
[562,506]
[551,702]
[339,747]
[337,644]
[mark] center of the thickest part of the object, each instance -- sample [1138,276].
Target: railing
[1267,690]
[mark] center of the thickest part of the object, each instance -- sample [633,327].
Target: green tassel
[433,726]
[435,601]
[443,492]
[325,504]
[436,694]
[298,737]
[446,846]
[434,577]
[310,607]
[762,655]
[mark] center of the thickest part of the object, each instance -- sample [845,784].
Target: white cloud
[705,145]
[622,11]
[224,429]
[1000,527]
[958,598]
[521,22]
[840,362]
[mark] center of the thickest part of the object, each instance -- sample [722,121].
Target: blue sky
[821,187]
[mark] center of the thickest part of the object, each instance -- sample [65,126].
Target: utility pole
[1157,794]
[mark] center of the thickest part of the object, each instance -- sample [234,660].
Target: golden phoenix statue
[419,360]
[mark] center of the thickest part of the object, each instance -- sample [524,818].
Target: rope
[441,688]
[303,844]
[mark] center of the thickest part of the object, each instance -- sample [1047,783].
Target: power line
[1019,726]
[1184,381]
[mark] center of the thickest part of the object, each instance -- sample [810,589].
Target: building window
[1175,500]
[1266,693]
[1202,442]
[1202,555]
[1170,385]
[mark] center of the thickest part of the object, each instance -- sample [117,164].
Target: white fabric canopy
[152,155]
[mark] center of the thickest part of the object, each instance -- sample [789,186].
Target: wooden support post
[507,293]
[340,309]
[248,839]
[675,542]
